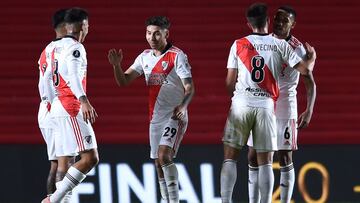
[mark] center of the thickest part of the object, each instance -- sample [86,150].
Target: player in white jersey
[167,73]
[286,111]
[47,93]
[71,110]
[254,67]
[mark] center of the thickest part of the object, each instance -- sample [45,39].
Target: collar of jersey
[69,36]
[261,34]
[167,47]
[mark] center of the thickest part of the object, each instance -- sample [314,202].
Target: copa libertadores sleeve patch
[76,53]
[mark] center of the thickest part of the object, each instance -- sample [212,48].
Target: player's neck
[162,49]
[260,30]
[287,36]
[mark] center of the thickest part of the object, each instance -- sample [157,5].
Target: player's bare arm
[307,65]
[305,117]
[88,111]
[115,59]
[179,111]
[230,81]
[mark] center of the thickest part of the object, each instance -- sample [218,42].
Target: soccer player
[71,109]
[167,73]
[286,111]
[47,94]
[254,67]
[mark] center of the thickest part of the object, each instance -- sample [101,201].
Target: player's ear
[293,25]
[167,33]
[249,25]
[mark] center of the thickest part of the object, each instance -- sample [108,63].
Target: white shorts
[46,129]
[73,135]
[170,132]
[260,121]
[286,134]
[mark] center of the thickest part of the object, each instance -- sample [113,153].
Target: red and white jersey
[286,106]
[258,59]
[163,75]
[46,89]
[69,76]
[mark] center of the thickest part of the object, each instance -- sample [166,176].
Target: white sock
[171,179]
[287,181]
[72,178]
[253,184]
[266,182]
[67,197]
[227,180]
[163,189]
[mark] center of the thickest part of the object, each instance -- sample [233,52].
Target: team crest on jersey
[88,139]
[76,53]
[44,65]
[164,65]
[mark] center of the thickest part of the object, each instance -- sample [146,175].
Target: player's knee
[285,158]
[164,158]
[252,160]
[93,160]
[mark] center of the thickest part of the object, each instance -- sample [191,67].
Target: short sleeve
[182,66]
[137,65]
[232,59]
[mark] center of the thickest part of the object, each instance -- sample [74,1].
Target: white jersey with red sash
[163,76]
[46,92]
[258,59]
[288,81]
[69,76]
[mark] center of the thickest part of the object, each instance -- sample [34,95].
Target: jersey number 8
[257,73]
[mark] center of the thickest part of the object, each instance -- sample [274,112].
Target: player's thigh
[73,135]
[264,131]
[173,132]
[287,134]
[238,126]
[49,137]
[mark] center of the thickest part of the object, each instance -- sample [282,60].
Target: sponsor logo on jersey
[157,79]
[76,53]
[257,92]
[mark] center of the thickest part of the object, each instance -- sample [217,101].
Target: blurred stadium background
[327,164]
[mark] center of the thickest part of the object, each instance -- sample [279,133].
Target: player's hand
[304,119]
[115,57]
[179,113]
[88,111]
[310,52]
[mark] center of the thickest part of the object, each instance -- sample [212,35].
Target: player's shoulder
[175,49]
[72,46]
[294,42]
[146,51]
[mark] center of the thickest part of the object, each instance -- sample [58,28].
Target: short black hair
[58,18]
[161,21]
[76,15]
[290,10]
[256,15]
